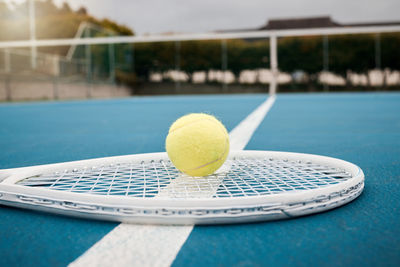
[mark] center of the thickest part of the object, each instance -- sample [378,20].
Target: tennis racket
[147,188]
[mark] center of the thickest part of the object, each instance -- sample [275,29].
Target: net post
[32,29]
[88,65]
[7,69]
[56,74]
[224,63]
[378,51]
[111,59]
[177,63]
[325,58]
[7,60]
[133,58]
[273,52]
[7,85]
[56,94]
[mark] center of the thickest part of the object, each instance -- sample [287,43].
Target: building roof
[310,22]
[316,22]
[300,23]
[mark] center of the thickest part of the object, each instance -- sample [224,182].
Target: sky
[160,16]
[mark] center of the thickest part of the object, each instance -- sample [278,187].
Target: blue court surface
[363,128]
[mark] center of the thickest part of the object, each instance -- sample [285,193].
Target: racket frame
[163,210]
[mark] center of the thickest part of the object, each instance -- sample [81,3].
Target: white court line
[158,245]
[242,133]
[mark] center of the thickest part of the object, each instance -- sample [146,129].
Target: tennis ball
[197,144]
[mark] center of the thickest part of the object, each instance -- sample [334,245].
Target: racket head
[146,188]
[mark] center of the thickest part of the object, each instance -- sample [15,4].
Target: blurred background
[306,63]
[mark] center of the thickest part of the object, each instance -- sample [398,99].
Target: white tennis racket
[147,188]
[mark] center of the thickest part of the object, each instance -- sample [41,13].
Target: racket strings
[246,177]
[254,177]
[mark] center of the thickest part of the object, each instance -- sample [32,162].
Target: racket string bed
[246,178]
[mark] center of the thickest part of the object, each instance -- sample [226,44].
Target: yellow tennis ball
[197,144]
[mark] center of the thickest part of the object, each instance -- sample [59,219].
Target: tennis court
[363,128]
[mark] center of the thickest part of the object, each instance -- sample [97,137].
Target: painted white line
[241,134]
[158,245]
[136,245]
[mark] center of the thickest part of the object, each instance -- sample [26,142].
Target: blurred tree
[82,11]
[65,8]
[51,21]
[390,50]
